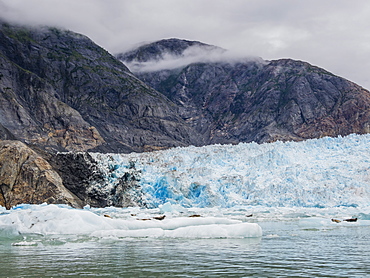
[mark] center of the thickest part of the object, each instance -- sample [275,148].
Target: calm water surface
[285,250]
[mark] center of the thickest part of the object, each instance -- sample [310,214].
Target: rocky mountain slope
[60,91]
[249,99]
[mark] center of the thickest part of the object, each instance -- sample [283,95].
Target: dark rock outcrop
[61,91]
[254,100]
[84,177]
[25,177]
[80,173]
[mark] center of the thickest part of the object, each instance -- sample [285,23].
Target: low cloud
[191,55]
[331,34]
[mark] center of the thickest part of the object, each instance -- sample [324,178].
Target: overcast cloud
[333,34]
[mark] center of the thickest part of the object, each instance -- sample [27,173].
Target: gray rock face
[31,112]
[255,100]
[5,134]
[61,91]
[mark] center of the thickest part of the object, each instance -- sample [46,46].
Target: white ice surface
[326,172]
[59,220]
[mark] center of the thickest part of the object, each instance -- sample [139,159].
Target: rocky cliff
[230,100]
[61,91]
[26,177]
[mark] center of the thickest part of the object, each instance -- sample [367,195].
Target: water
[295,243]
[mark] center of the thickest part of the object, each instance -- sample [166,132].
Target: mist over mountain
[174,53]
[158,50]
[245,99]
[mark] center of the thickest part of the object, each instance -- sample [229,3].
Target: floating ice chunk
[168,207]
[272,235]
[241,230]
[364,216]
[173,223]
[24,243]
[2,210]
[59,220]
[140,233]
[52,219]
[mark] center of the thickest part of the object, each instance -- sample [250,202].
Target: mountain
[229,99]
[60,91]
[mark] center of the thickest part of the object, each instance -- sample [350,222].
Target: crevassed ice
[326,172]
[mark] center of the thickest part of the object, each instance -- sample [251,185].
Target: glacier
[325,172]
[218,191]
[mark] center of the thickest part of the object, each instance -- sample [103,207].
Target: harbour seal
[351,220]
[159,217]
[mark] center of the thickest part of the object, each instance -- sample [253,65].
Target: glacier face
[326,172]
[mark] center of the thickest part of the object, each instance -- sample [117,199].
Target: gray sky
[333,34]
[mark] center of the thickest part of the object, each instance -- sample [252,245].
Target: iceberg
[47,220]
